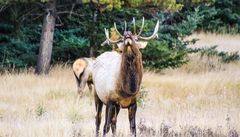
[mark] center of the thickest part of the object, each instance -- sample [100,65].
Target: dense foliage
[221,17]
[21,23]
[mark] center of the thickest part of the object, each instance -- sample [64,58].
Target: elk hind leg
[98,106]
[89,83]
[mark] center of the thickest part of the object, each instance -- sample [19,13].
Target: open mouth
[128,37]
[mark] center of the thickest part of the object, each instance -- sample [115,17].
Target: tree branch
[69,12]
[60,21]
[3,7]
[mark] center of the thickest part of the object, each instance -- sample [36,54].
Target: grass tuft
[40,110]
[74,113]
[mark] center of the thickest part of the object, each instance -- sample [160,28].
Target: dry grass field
[225,42]
[195,100]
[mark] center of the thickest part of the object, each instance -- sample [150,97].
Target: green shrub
[224,57]
[18,50]
[142,96]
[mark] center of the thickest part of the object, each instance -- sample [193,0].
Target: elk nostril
[128,42]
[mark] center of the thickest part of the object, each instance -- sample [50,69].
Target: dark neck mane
[131,71]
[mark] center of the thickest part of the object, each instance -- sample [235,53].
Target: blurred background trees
[78,28]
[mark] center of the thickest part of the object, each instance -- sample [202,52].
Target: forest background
[77,29]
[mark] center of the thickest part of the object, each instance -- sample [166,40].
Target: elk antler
[115,27]
[125,24]
[108,40]
[134,26]
[140,32]
[125,28]
[154,35]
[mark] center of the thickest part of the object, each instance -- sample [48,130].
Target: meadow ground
[225,42]
[202,98]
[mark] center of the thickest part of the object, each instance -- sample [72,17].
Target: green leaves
[68,46]
[4,2]
[158,55]
[223,16]
[109,5]
[17,50]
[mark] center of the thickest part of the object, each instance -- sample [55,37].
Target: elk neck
[131,71]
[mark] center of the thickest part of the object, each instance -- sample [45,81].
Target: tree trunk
[46,42]
[93,44]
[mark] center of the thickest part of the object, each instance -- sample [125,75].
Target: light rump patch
[78,66]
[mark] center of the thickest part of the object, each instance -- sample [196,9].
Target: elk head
[131,70]
[129,39]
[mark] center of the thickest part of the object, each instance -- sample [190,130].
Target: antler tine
[108,40]
[106,33]
[134,26]
[140,32]
[125,24]
[154,35]
[115,27]
[104,43]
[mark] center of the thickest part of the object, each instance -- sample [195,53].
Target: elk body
[117,78]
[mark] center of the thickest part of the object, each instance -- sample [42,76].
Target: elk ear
[120,45]
[142,44]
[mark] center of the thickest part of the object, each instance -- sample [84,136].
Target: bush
[68,46]
[224,57]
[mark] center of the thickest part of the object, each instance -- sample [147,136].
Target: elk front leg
[114,118]
[131,115]
[98,105]
[109,112]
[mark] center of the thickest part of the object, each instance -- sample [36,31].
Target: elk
[117,77]
[82,70]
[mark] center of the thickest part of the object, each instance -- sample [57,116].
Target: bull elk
[117,77]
